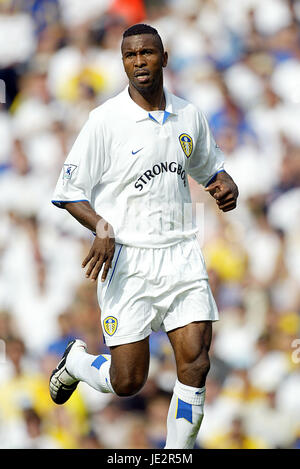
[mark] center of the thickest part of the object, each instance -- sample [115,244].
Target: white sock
[92,369]
[185,416]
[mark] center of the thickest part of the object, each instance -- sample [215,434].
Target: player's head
[138,29]
[143,56]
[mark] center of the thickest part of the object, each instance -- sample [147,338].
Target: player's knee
[195,369]
[200,366]
[203,366]
[125,386]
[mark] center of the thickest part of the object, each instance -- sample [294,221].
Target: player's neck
[150,101]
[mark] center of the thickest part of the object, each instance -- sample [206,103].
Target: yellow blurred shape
[289,323]
[229,261]
[90,77]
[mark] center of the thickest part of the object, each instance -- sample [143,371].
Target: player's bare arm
[103,247]
[225,191]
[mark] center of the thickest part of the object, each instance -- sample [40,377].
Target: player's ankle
[73,359]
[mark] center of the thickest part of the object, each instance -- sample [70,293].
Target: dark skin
[224,190]
[144,60]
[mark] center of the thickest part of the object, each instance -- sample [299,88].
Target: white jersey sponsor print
[132,166]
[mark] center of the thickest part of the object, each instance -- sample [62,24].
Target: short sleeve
[83,167]
[207,159]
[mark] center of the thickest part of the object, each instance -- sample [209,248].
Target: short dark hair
[141,28]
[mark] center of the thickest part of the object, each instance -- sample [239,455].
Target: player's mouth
[142,76]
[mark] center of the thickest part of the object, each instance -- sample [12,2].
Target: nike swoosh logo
[135,152]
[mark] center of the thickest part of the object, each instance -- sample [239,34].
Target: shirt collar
[140,114]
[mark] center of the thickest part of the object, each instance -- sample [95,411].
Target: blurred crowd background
[238,60]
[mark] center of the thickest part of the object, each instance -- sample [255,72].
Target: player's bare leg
[191,345]
[123,372]
[129,367]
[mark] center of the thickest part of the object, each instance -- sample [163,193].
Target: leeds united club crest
[110,325]
[186,143]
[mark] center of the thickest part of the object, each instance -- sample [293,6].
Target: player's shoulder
[105,109]
[183,106]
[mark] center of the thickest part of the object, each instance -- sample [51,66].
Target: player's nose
[140,60]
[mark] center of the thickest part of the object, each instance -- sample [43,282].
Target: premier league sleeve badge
[68,170]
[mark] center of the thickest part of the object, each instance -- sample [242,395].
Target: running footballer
[125,179]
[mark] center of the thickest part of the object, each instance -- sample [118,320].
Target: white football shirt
[131,165]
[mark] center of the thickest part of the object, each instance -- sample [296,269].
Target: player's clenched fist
[101,252]
[225,191]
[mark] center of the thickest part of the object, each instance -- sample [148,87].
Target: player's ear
[165,59]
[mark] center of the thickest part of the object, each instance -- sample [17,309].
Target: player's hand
[225,191]
[101,252]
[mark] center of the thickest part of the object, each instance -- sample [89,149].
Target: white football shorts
[151,289]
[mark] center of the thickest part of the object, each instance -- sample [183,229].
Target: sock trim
[98,362]
[189,394]
[184,410]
